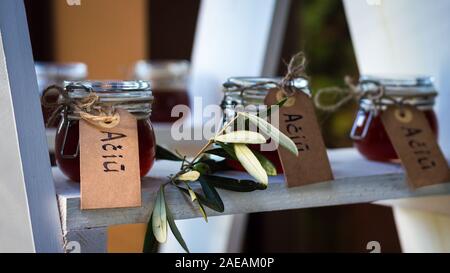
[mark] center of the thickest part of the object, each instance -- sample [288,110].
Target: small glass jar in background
[368,133]
[55,74]
[133,96]
[169,80]
[253,99]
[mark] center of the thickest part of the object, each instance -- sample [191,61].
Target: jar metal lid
[236,92]
[110,91]
[133,96]
[413,90]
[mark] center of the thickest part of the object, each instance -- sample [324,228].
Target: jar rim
[108,86]
[399,86]
[300,83]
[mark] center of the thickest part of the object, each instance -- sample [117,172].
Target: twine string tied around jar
[101,115]
[295,69]
[353,93]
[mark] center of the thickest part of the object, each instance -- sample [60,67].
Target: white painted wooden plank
[357,181]
[94,240]
[28,208]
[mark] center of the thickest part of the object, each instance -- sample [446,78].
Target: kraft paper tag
[299,122]
[416,146]
[109,165]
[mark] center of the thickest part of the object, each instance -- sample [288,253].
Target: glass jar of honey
[248,94]
[49,74]
[169,80]
[368,133]
[134,96]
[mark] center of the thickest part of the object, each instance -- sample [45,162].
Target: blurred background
[110,36]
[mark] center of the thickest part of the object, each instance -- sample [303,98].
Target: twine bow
[89,109]
[354,93]
[295,69]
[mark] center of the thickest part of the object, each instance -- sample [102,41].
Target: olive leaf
[222,153]
[272,132]
[215,166]
[212,195]
[247,137]
[268,166]
[150,243]
[232,184]
[202,210]
[202,167]
[174,229]
[227,151]
[189,176]
[250,163]
[164,154]
[201,199]
[159,217]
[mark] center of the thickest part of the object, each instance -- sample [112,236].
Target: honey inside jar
[368,133]
[169,81]
[134,96]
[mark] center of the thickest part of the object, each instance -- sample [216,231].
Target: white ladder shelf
[357,181]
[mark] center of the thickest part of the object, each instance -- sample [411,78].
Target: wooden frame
[29,213]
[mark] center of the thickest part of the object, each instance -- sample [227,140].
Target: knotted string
[88,108]
[295,69]
[354,93]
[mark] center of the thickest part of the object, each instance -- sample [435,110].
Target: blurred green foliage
[325,39]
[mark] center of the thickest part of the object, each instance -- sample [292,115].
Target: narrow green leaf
[247,137]
[216,166]
[250,163]
[212,195]
[192,194]
[200,199]
[202,210]
[189,176]
[164,154]
[272,132]
[150,243]
[202,167]
[219,152]
[159,218]
[174,229]
[268,166]
[229,149]
[233,184]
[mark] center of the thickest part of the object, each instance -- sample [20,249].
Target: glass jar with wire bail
[134,96]
[369,135]
[248,94]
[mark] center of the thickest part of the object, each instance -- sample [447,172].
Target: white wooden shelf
[356,181]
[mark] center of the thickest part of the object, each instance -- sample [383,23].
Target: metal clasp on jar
[363,119]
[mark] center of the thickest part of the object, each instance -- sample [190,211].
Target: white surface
[409,37]
[357,181]
[28,208]
[421,231]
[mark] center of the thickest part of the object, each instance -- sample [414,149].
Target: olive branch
[230,145]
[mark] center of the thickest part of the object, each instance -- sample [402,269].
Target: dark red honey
[71,166]
[377,146]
